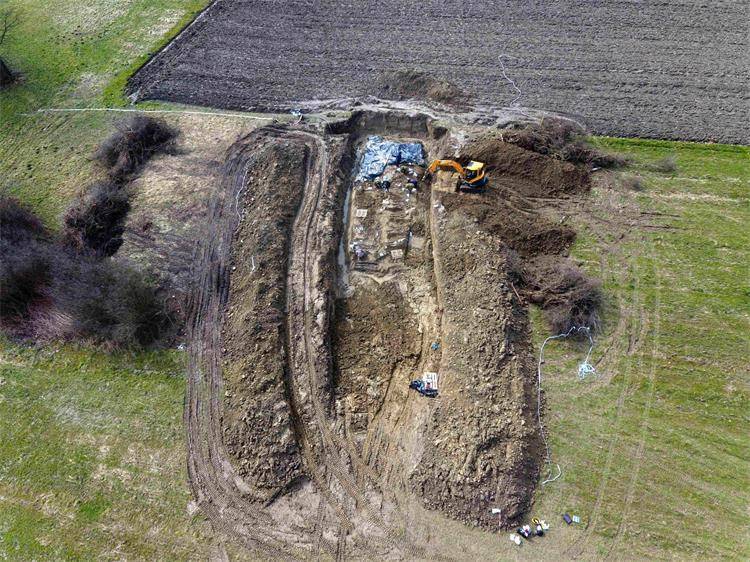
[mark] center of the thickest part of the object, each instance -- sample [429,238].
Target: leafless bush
[24,274]
[135,141]
[564,139]
[579,300]
[109,304]
[17,222]
[547,137]
[95,221]
[48,292]
[10,18]
[24,264]
[581,152]
[666,165]
[633,183]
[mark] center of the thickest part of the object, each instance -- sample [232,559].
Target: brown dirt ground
[412,84]
[257,421]
[482,443]
[316,415]
[374,334]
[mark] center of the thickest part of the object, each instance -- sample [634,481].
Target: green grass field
[92,457]
[654,451]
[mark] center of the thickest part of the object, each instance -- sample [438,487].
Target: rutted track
[215,484]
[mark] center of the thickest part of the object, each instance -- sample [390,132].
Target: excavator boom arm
[442,164]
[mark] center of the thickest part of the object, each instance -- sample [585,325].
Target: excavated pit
[319,341]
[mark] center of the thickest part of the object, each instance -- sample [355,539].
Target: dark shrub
[95,222]
[579,300]
[24,260]
[25,266]
[18,222]
[135,140]
[50,293]
[547,137]
[633,183]
[110,304]
[563,139]
[581,152]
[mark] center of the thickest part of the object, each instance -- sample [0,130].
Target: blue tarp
[380,153]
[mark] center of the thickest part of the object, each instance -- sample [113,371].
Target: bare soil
[304,438]
[257,421]
[663,70]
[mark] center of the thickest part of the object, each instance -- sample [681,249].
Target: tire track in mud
[217,487]
[635,322]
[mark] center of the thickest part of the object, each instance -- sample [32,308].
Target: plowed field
[674,70]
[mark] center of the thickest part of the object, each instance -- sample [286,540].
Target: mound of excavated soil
[509,208]
[412,84]
[257,419]
[526,172]
[482,443]
[500,212]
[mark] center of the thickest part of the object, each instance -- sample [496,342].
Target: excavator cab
[474,176]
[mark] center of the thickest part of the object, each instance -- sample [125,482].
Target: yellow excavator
[471,176]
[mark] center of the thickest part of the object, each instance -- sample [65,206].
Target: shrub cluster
[49,292]
[578,303]
[135,140]
[95,221]
[564,139]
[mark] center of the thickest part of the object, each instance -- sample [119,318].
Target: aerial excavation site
[374,281]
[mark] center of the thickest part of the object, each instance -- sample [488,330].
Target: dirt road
[671,70]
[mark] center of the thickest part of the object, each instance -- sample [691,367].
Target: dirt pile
[257,421]
[500,212]
[482,446]
[412,84]
[532,174]
[509,208]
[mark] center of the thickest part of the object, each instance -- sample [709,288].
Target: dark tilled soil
[661,69]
